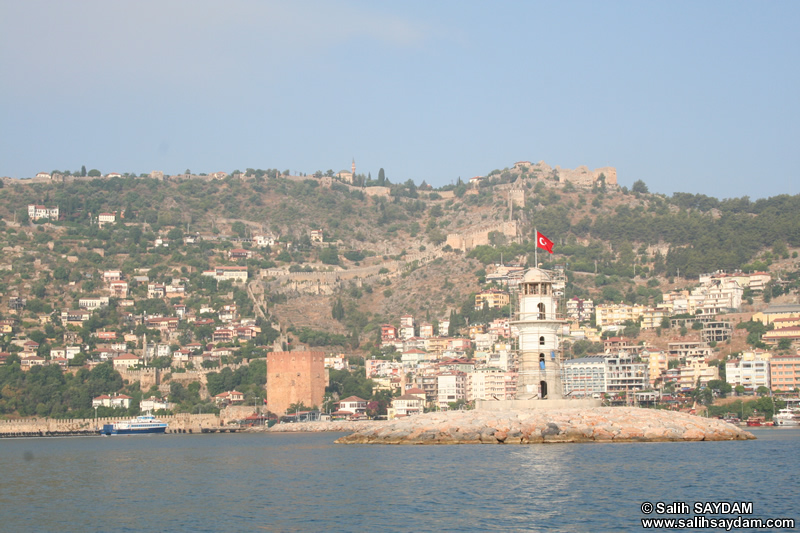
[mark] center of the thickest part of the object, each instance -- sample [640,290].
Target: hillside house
[125,361]
[229,397]
[237,274]
[239,253]
[353,405]
[117,400]
[106,218]
[39,212]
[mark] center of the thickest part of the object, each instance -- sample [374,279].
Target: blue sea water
[304,482]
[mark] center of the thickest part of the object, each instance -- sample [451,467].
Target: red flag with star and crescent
[544,242]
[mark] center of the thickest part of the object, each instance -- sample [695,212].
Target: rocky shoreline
[337,426]
[599,424]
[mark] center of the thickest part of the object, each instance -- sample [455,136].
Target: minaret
[539,361]
[353,166]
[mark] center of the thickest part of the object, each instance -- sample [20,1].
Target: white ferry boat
[137,426]
[787,417]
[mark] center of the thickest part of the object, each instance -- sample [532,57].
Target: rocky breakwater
[341,426]
[599,424]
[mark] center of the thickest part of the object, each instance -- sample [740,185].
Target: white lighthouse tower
[538,324]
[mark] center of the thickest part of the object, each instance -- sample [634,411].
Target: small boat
[787,417]
[756,421]
[140,425]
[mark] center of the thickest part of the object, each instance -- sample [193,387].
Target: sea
[304,482]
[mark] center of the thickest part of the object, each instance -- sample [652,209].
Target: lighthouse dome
[536,275]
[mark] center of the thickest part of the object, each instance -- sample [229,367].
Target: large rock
[599,424]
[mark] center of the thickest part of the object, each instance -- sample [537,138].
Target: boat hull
[141,425]
[145,431]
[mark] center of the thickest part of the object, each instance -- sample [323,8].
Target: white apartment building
[451,387]
[751,370]
[584,377]
[488,384]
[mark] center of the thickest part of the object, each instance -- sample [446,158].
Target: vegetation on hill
[615,244]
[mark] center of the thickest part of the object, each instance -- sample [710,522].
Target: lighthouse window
[541,311]
[541,361]
[541,341]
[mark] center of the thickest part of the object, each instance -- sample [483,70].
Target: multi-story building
[500,327]
[687,348]
[775,311]
[156,290]
[487,384]
[38,212]
[382,367]
[717,331]
[579,309]
[584,377]
[657,364]
[427,381]
[755,281]
[388,333]
[264,240]
[118,289]
[653,316]
[492,298]
[354,405]
[712,298]
[616,314]
[774,337]
[785,372]
[451,387]
[625,373]
[750,371]
[406,405]
[93,303]
[426,330]
[238,274]
[112,275]
[437,345]
[696,372]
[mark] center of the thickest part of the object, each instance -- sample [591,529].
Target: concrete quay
[597,424]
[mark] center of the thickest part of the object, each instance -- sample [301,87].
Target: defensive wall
[325,283]
[580,176]
[179,423]
[468,241]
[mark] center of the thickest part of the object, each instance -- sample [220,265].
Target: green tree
[640,187]
[94,173]
[337,311]
[239,228]
[329,255]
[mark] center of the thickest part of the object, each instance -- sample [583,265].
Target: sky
[698,97]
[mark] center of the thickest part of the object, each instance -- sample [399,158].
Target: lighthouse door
[543,386]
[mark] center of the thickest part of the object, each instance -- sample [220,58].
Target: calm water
[285,482]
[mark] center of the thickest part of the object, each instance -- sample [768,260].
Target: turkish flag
[544,242]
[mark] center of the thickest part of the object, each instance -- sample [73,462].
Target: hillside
[381,250]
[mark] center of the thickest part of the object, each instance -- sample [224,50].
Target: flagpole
[536,248]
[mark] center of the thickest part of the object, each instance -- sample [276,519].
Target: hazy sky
[700,97]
